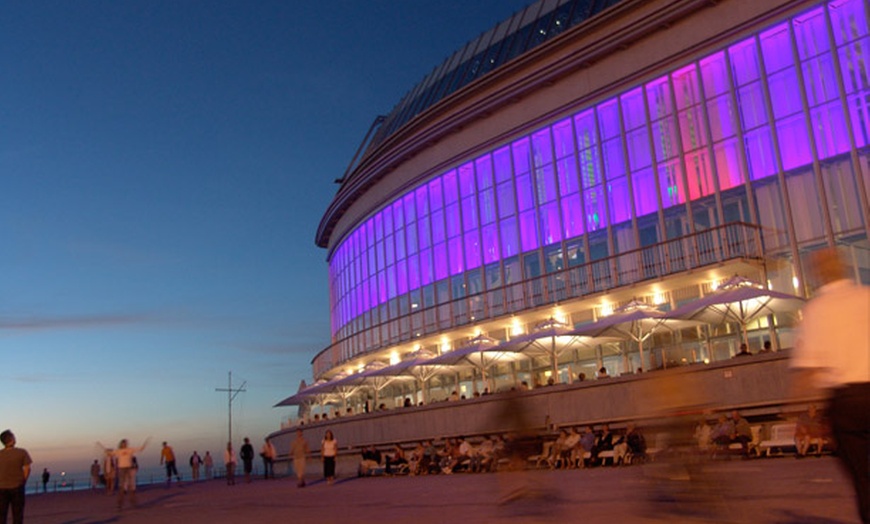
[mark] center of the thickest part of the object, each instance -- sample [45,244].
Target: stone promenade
[780,490]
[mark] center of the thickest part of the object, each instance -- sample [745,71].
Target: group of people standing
[246,454]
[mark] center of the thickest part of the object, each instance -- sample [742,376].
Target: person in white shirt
[833,355]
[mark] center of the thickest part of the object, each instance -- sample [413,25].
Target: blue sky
[163,169]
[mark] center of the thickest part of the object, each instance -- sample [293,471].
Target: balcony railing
[735,240]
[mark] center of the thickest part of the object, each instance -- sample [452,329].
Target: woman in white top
[329,450]
[125,457]
[230,463]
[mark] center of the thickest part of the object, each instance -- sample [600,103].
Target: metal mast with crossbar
[231,395]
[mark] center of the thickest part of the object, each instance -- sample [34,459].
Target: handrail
[734,240]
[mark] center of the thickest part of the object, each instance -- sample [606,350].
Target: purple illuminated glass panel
[451,187]
[506,204]
[551,228]
[811,33]
[614,163]
[427,272]
[698,175]
[490,244]
[521,156]
[633,111]
[643,184]
[454,250]
[546,183]
[472,250]
[501,159]
[714,75]
[529,230]
[794,144]
[466,180]
[759,153]
[728,164]
[620,200]
[414,272]
[402,277]
[436,198]
[639,154]
[567,172]
[452,218]
[671,184]
[438,226]
[423,237]
[608,119]
[487,206]
[572,216]
[593,200]
[422,199]
[483,166]
[563,138]
[744,61]
[525,192]
[469,214]
[509,239]
[542,147]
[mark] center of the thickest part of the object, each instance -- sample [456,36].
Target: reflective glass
[658,94]
[546,183]
[794,144]
[521,158]
[714,73]
[643,186]
[829,125]
[452,219]
[728,164]
[567,171]
[469,214]
[506,204]
[638,149]
[502,164]
[572,215]
[849,19]
[525,192]
[466,180]
[671,184]
[483,166]
[721,117]
[759,153]
[490,243]
[551,228]
[529,230]
[593,200]
[439,261]
[455,251]
[563,138]
[686,86]
[744,61]
[633,111]
[776,49]
[811,33]
[542,147]
[608,119]
[509,239]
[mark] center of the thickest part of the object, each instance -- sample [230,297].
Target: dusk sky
[163,169]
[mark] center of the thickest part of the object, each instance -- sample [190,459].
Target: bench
[781,437]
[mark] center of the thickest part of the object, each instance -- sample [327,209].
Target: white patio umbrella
[371,378]
[738,300]
[417,366]
[481,353]
[550,339]
[635,321]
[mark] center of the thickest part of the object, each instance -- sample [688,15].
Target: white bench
[754,443]
[781,437]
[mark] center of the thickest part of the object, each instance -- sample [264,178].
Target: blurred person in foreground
[832,357]
[126,461]
[14,471]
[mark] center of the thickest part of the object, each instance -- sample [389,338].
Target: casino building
[587,153]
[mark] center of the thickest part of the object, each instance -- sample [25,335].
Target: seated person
[722,432]
[602,373]
[587,444]
[371,460]
[604,443]
[810,429]
[486,455]
[744,351]
[631,444]
[742,432]
[571,454]
[396,459]
[554,453]
[416,458]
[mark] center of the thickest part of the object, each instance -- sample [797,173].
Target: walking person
[110,468]
[833,353]
[268,454]
[299,451]
[247,455]
[167,457]
[208,462]
[328,452]
[195,463]
[230,464]
[45,476]
[14,472]
[95,474]
[127,466]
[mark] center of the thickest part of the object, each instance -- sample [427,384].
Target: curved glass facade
[772,130]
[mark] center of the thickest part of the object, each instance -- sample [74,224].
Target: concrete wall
[757,385]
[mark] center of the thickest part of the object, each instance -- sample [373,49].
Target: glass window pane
[665,139]
[466,179]
[728,165]
[546,183]
[506,204]
[804,196]
[721,116]
[451,187]
[744,61]
[402,277]
[436,199]
[454,249]
[593,200]
[776,48]
[521,156]
[759,153]
[811,34]
[509,238]
[849,18]
[438,229]
[572,216]
[614,164]
[829,125]
[451,217]
[469,214]
[414,272]
[487,206]
[490,243]
[692,128]
[794,144]
[658,93]
[422,197]
[483,166]
[567,172]
[686,86]
[633,112]
[525,192]
[411,237]
[542,147]
[820,80]
[608,119]
[439,259]
[529,230]
[698,175]
[501,159]
[423,236]
[786,99]
[590,170]
[671,183]
[563,138]
[620,200]
[551,229]
[427,273]
[584,126]
[714,74]
[639,155]
[643,184]
[472,250]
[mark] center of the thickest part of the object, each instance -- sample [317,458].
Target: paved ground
[782,490]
